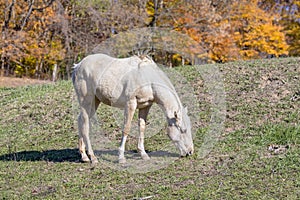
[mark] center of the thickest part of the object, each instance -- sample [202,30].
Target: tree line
[42,36]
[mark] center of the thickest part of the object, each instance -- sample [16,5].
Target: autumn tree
[228,30]
[175,15]
[290,19]
[293,33]
[256,32]
[91,22]
[28,42]
[37,34]
[204,21]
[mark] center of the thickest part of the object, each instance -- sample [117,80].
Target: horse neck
[169,103]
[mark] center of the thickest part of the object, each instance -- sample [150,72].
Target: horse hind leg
[81,147]
[88,109]
[83,127]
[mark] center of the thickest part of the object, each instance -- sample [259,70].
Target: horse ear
[175,115]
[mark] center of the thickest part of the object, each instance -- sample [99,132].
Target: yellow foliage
[257,34]
[19,70]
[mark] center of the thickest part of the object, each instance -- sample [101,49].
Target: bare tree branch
[24,21]
[10,9]
[31,8]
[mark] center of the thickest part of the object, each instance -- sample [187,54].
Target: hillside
[256,155]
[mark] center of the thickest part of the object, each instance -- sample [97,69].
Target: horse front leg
[142,126]
[128,115]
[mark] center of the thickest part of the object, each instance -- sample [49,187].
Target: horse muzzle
[189,152]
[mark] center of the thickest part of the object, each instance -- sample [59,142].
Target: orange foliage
[28,40]
[242,30]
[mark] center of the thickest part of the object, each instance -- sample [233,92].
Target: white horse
[129,83]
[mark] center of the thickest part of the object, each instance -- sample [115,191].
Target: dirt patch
[17,82]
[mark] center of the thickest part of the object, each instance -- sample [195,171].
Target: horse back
[114,81]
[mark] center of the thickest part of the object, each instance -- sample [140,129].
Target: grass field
[257,155]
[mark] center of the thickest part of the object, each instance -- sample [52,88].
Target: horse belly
[111,96]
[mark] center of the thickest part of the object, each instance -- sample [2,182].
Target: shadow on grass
[62,155]
[71,155]
[112,155]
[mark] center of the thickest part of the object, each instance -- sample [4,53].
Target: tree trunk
[54,73]
[2,64]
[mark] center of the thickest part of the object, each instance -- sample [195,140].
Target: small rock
[80,170]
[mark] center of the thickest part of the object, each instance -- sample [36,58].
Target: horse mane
[144,59]
[143,56]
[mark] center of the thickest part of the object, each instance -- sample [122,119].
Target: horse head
[179,131]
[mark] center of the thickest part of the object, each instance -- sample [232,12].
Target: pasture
[257,155]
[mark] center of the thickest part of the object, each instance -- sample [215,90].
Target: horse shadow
[70,155]
[111,156]
[61,155]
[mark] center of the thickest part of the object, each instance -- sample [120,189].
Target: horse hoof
[122,161]
[145,157]
[94,161]
[85,159]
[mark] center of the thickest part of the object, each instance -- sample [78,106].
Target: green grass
[39,158]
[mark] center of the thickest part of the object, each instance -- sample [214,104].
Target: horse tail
[75,69]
